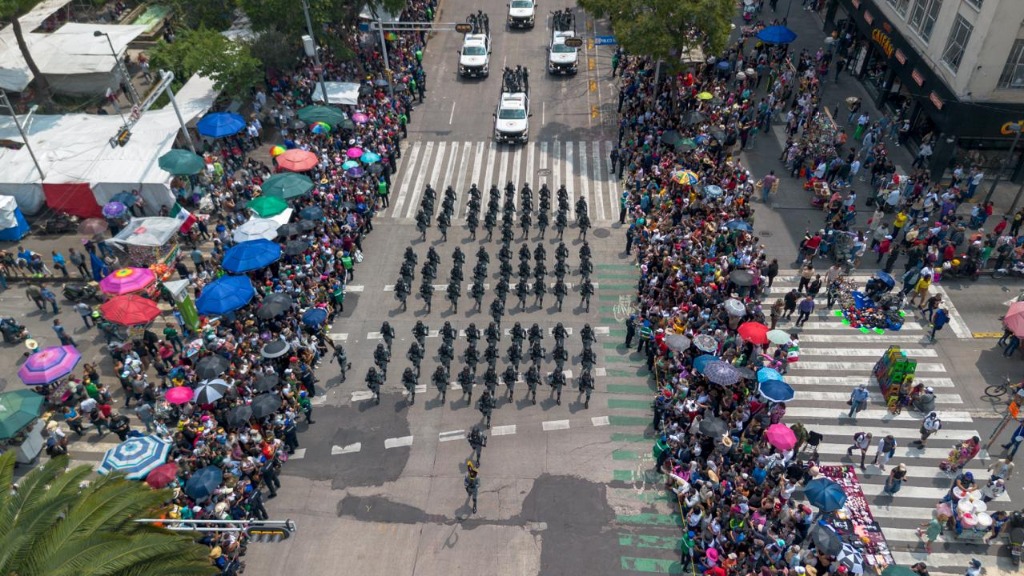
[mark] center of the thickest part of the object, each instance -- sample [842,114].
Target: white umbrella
[778,336]
[734,307]
[256,229]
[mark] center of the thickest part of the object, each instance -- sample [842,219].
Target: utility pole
[120,66]
[24,138]
[166,77]
[387,64]
[316,53]
[1016,129]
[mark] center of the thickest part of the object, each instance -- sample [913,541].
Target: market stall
[148,241]
[873,310]
[854,522]
[20,427]
[895,375]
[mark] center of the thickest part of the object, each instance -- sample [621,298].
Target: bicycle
[999,390]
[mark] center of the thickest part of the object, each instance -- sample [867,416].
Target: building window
[959,36]
[975,3]
[923,18]
[900,6]
[1013,72]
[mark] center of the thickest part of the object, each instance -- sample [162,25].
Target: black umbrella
[742,277]
[265,405]
[713,426]
[266,383]
[209,391]
[296,247]
[211,367]
[307,225]
[746,373]
[290,229]
[238,416]
[376,168]
[826,540]
[275,349]
[204,482]
[671,137]
[692,117]
[274,305]
[312,213]
[365,90]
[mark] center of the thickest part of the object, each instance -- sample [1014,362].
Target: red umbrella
[130,310]
[754,332]
[780,436]
[296,160]
[162,475]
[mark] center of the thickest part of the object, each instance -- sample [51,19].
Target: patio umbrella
[706,343]
[721,373]
[296,247]
[114,209]
[287,185]
[266,383]
[212,366]
[289,229]
[92,226]
[778,336]
[127,280]
[712,426]
[49,365]
[225,294]
[130,310]
[1014,319]
[369,157]
[354,153]
[267,206]
[312,213]
[238,416]
[204,482]
[825,495]
[18,409]
[754,332]
[827,541]
[734,307]
[181,163]
[895,570]
[686,177]
[851,558]
[314,317]
[677,342]
[737,224]
[701,362]
[250,255]
[776,35]
[220,124]
[135,457]
[274,305]
[766,374]
[349,164]
[360,118]
[316,113]
[742,278]
[162,475]
[713,191]
[275,349]
[265,405]
[179,395]
[209,391]
[296,160]
[780,436]
[256,228]
[776,390]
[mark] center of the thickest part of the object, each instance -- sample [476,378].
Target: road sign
[574,42]
[605,40]
[463,28]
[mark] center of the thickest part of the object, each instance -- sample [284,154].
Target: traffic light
[123,136]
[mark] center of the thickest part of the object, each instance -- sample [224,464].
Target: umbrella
[277,151]
[238,416]
[778,336]
[354,153]
[250,255]
[130,310]
[894,570]
[306,225]
[701,362]
[742,277]
[712,426]
[179,395]
[265,383]
[721,373]
[162,475]
[181,163]
[220,124]
[135,457]
[264,405]
[267,206]
[692,117]
[312,213]
[296,160]
[360,118]
[211,367]
[706,343]
[114,209]
[313,114]
[705,96]
[290,229]
[314,317]
[274,305]
[369,157]
[776,35]
[357,172]
[828,542]
[734,307]
[1014,318]
[886,277]
[737,224]
[275,349]
[126,198]
[745,373]
[766,374]
[851,558]
[92,226]
[348,124]
[671,137]
[677,342]
[754,332]
[349,164]
[780,436]
[49,365]
[713,191]
[296,247]
[686,177]
[825,495]
[225,294]
[127,280]
[287,185]
[256,228]
[209,391]
[320,128]
[776,390]
[723,65]
[204,482]
[18,409]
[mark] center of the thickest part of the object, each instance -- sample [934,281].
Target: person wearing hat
[930,425]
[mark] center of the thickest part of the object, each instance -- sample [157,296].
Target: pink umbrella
[1014,318]
[127,280]
[360,118]
[354,152]
[179,395]
[780,436]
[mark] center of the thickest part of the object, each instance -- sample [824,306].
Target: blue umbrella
[776,35]
[312,213]
[126,198]
[712,191]
[204,482]
[825,495]
[135,457]
[220,124]
[225,294]
[369,157]
[724,65]
[765,374]
[701,362]
[314,317]
[739,225]
[251,255]
[776,390]
[886,277]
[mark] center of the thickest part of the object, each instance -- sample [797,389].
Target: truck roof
[513,100]
[475,39]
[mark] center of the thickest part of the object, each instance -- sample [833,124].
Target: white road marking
[417,187]
[449,172]
[876,397]
[350,449]
[600,421]
[556,169]
[434,181]
[398,442]
[542,163]
[478,164]
[956,321]
[600,371]
[605,330]
[407,179]
[451,116]
[555,425]
[868,416]
[318,400]
[599,197]
[420,389]
[506,430]
[861,366]
[585,180]
[354,288]
[485,186]
[515,176]
[501,159]
[460,184]
[877,352]
[450,436]
[361,395]
[570,173]
[851,381]
[338,336]
[299,454]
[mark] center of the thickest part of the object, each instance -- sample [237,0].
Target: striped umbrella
[135,457]
[209,391]
[686,177]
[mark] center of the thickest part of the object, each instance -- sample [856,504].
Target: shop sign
[868,18]
[1005,129]
[936,100]
[918,77]
[883,40]
[900,56]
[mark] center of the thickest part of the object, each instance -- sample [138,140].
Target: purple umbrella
[49,365]
[356,172]
[114,209]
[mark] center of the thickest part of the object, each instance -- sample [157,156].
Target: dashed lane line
[398,442]
[451,435]
[350,449]
[555,425]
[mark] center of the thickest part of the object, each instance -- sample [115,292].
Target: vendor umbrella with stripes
[135,457]
[209,391]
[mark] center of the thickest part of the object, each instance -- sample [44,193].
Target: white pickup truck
[562,59]
[474,58]
[522,13]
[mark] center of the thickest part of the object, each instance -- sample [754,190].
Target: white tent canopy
[153,231]
[14,73]
[75,61]
[346,93]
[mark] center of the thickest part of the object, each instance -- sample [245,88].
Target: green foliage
[11,8]
[230,64]
[53,526]
[212,14]
[275,50]
[662,28]
[286,17]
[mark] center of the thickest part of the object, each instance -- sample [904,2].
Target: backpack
[858,437]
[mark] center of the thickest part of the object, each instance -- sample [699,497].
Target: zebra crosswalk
[583,167]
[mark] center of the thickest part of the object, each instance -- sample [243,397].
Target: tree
[230,64]
[212,14]
[663,28]
[13,10]
[54,525]
[286,16]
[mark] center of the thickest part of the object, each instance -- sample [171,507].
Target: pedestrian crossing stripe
[487,286]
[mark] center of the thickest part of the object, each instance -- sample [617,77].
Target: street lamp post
[316,54]
[24,138]
[120,64]
[1016,129]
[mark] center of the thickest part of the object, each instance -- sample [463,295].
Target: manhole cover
[544,172]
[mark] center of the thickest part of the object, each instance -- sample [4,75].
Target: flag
[186,217]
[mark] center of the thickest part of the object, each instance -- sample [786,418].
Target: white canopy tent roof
[74,49]
[14,73]
[346,93]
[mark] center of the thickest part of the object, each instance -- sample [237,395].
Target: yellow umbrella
[686,177]
[705,96]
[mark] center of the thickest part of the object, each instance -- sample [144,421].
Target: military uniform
[586,291]
[509,376]
[477,441]
[586,385]
[560,291]
[491,380]
[532,378]
[486,406]
[381,357]
[466,379]
[402,292]
[420,333]
[387,333]
[440,381]
[373,382]
[415,356]
[557,381]
[409,381]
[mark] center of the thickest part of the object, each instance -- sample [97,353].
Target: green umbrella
[894,570]
[181,163]
[326,114]
[345,125]
[287,185]
[17,410]
[267,206]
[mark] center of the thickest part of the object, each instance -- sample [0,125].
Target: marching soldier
[428,271]
[587,335]
[585,252]
[490,221]
[536,334]
[524,253]
[525,222]
[456,275]
[444,221]
[522,292]
[584,225]
[422,223]
[410,255]
[373,382]
[515,354]
[509,376]
[447,332]
[501,289]
[588,358]
[381,357]
[477,441]
[586,385]
[518,334]
[560,355]
[536,353]
[560,333]
[342,358]
[560,291]
[492,334]
[491,380]
[433,257]
[427,292]
[454,292]
[542,222]
[586,291]
[497,310]
[491,354]
[387,333]
[472,483]
[472,222]
[480,271]
[466,382]
[458,257]
[420,333]
[562,252]
[402,293]
[486,405]
[557,381]
[409,381]
[532,378]
[524,268]
[494,193]
[483,256]
[586,266]
[539,253]
[560,269]
[506,232]
[540,288]
[476,291]
[581,207]
[472,334]
[446,354]
[505,270]
[561,221]
[440,380]
[415,356]
[472,357]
